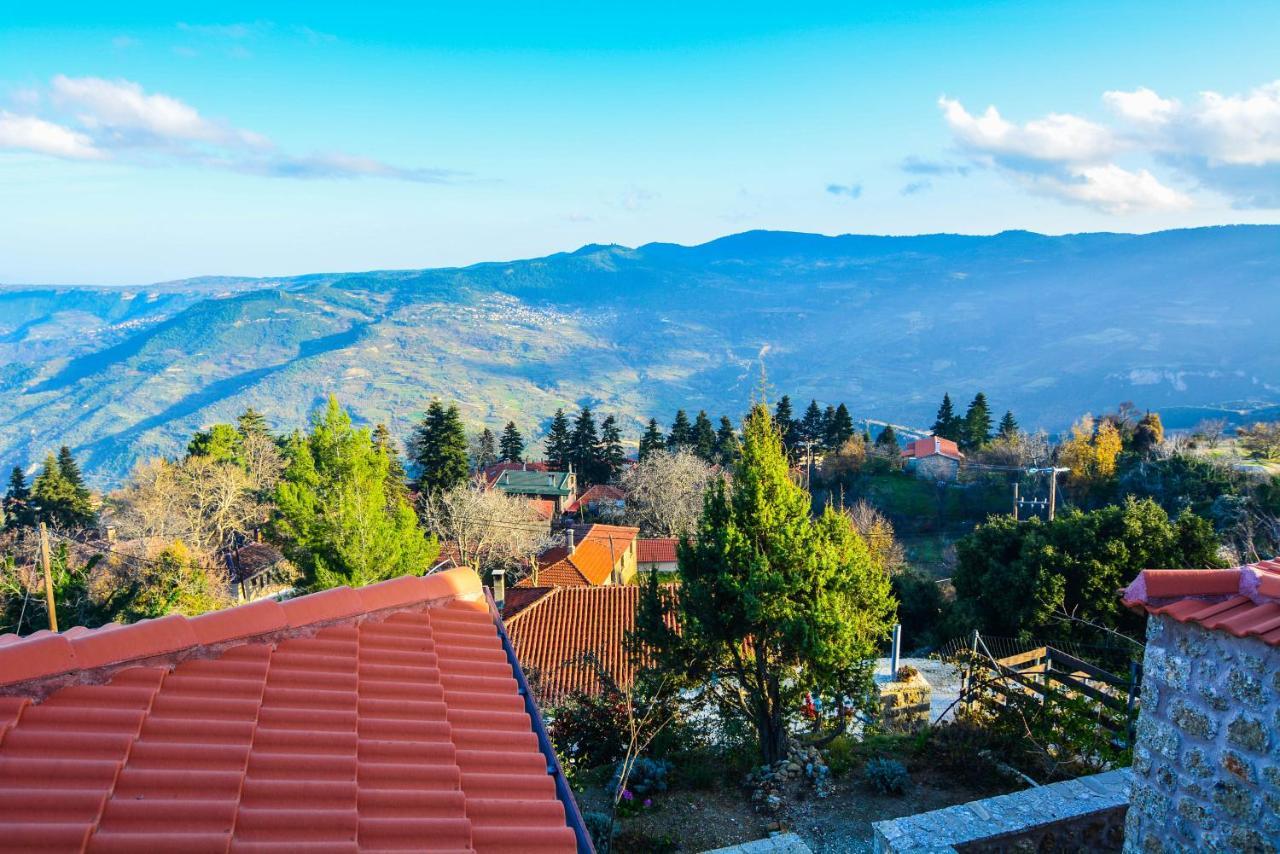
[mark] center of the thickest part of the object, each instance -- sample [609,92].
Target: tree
[887,440]
[612,455]
[260,454]
[251,422]
[1008,426]
[485,451]
[511,445]
[828,420]
[651,440]
[726,443]
[334,517]
[397,479]
[1212,429]
[788,427]
[1018,450]
[1149,433]
[17,502]
[773,603]
[840,430]
[173,583]
[664,493]
[976,431]
[681,435]
[557,447]
[439,448]
[811,425]
[221,442]
[704,437]
[877,532]
[1015,578]
[948,425]
[60,495]
[842,463]
[488,528]
[584,449]
[1090,453]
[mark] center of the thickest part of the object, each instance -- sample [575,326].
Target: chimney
[111,534]
[499,587]
[569,533]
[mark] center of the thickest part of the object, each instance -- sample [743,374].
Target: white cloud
[1117,190]
[1142,106]
[28,133]
[1238,129]
[1057,137]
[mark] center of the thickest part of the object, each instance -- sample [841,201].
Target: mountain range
[1049,326]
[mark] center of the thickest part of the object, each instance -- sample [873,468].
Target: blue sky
[148,143]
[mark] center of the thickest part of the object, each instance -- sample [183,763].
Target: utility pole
[1015,501]
[1053,489]
[48,578]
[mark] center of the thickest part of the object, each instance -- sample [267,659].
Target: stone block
[1159,737]
[1196,763]
[1249,733]
[1244,687]
[1239,767]
[1192,721]
[1235,800]
[1177,672]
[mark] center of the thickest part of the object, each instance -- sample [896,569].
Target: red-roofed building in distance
[933,458]
[592,555]
[602,501]
[656,554]
[393,716]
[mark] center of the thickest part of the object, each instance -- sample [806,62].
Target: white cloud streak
[35,135]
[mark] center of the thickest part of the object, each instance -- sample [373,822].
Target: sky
[165,141]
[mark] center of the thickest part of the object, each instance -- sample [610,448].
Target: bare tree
[489,528]
[262,461]
[1019,450]
[1261,438]
[1212,429]
[876,529]
[664,493]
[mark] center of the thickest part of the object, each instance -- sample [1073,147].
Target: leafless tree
[1212,429]
[489,528]
[1261,438]
[1019,450]
[664,493]
[262,460]
[877,531]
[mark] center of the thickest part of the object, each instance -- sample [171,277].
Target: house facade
[553,489]
[656,554]
[933,458]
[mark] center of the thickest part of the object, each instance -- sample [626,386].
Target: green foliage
[335,518]
[1012,578]
[558,448]
[704,437]
[948,425]
[584,449]
[651,440]
[59,493]
[1178,481]
[811,425]
[977,424]
[681,435]
[886,776]
[888,439]
[397,486]
[920,607]
[589,730]
[773,603]
[17,502]
[486,449]
[648,777]
[439,448]
[1008,426]
[1148,434]
[840,429]
[173,583]
[221,443]
[511,445]
[612,455]
[726,453]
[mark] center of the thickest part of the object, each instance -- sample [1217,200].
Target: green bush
[648,777]
[886,776]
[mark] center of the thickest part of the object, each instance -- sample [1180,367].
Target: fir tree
[726,442]
[1008,426]
[841,429]
[612,455]
[681,435]
[976,432]
[786,425]
[811,424]
[704,437]
[887,440]
[828,423]
[397,481]
[511,445]
[557,444]
[63,501]
[486,449]
[221,442]
[17,502]
[252,423]
[948,425]
[439,448]
[651,440]
[584,448]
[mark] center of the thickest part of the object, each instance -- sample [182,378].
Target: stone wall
[904,703]
[1207,760]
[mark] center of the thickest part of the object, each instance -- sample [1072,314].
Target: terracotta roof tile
[931,445]
[599,492]
[656,550]
[1244,602]
[399,725]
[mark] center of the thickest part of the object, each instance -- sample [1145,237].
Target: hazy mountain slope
[1047,325]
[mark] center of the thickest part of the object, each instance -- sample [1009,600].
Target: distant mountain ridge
[1049,326]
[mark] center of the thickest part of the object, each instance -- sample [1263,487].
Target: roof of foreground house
[656,550]
[348,720]
[932,446]
[1244,602]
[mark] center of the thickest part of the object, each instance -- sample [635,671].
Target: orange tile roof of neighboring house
[620,535]
[931,445]
[1244,601]
[656,550]
[597,550]
[346,720]
[599,492]
[518,598]
[552,635]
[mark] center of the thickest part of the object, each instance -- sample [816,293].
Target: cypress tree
[651,440]
[557,444]
[704,437]
[1008,425]
[511,445]
[726,442]
[486,449]
[681,435]
[948,425]
[977,424]
[397,484]
[887,440]
[584,448]
[439,447]
[612,455]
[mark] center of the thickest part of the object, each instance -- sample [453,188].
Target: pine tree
[17,502]
[773,602]
[788,428]
[828,422]
[612,455]
[651,440]
[887,440]
[948,425]
[486,449]
[841,429]
[704,437]
[60,493]
[726,442]
[681,435]
[221,442]
[557,448]
[811,424]
[252,422]
[976,431]
[439,448]
[397,481]
[584,448]
[511,445]
[1008,426]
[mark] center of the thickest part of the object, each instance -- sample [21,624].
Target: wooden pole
[1015,501]
[1053,491]
[48,579]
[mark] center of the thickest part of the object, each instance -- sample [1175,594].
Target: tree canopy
[439,448]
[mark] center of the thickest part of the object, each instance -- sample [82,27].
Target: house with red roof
[393,716]
[592,555]
[933,458]
[599,501]
[656,554]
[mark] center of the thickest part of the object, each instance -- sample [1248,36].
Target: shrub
[648,777]
[588,730]
[600,826]
[886,776]
[842,755]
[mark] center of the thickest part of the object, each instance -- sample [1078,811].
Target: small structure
[558,487]
[601,501]
[656,554]
[1207,759]
[593,555]
[933,458]
[906,698]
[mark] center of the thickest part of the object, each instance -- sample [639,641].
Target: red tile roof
[1244,602]
[384,717]
[544,507]
[600,492]
[656,550]
[597,550]
[931,445]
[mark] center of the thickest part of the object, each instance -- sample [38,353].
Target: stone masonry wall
[1206,766]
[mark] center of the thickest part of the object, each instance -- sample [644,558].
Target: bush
[587,730]
[600,827]
[886,776]
[648,777]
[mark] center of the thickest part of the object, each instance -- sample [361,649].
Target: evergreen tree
[397,480]
[59,493]
[977,424]
[841,429]
[221,442]
[511,445]
[557,448]
[726,442]
[1148,434]
[1008,426]
[773,603]
[811,424]
[887,440]
[486,449]
[335,519]
[439,448]
[948,425]
[704,437]
[651,440]
[612,455]
[787,426]
[681,435]
[584,449]
[252,423]
[828,423]
[17,502]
